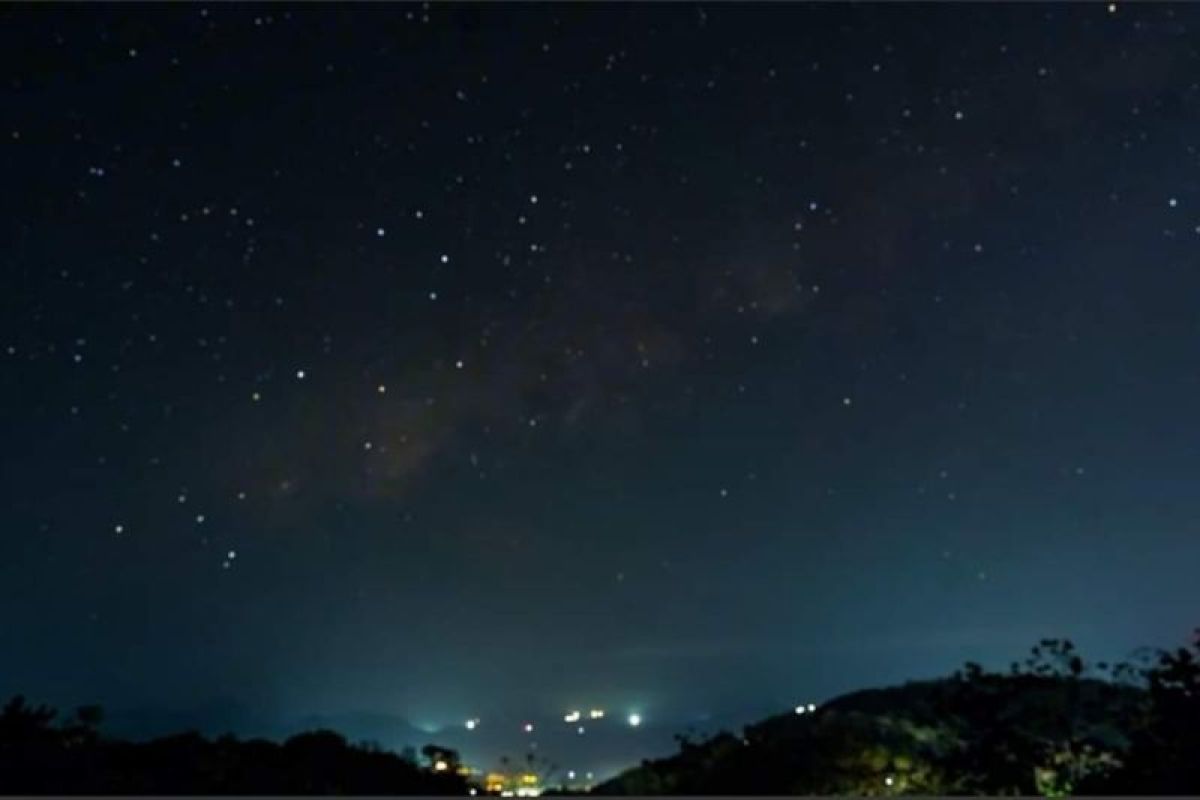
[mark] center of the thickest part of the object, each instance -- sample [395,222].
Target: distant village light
[635,720]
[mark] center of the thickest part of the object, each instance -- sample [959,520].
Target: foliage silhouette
[1052,725]
[39,757]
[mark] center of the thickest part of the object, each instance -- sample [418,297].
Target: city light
[572,717]
[471,723]
[440,766]
[635,720]
[800,709]
[812,707]
[596,713]
[529,727]
[580,730]
[570,774]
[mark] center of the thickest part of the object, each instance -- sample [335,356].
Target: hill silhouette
[38,756]
[1050,726]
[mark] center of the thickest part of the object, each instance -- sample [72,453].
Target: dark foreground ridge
[1052,725]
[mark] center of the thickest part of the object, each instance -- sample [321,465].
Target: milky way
[445,361]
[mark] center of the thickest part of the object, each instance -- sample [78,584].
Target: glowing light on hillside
[635,720]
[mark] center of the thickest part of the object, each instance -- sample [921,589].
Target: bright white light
[529,727]
[300,374]
[889,780]
[471,723]
[381,388]
[231,555]
[473,792]
[596,713]
[801,709]
[572,717]
[580,731]
[635,720]
[812,707]
[440,766]
[119,528]
[570,774]
[445,259]
[380,232]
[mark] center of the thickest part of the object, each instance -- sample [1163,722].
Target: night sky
[439,361]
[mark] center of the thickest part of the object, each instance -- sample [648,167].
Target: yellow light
[440,766]
[596,713]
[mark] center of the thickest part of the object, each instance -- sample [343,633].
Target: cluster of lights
[806,709]
[574,716]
